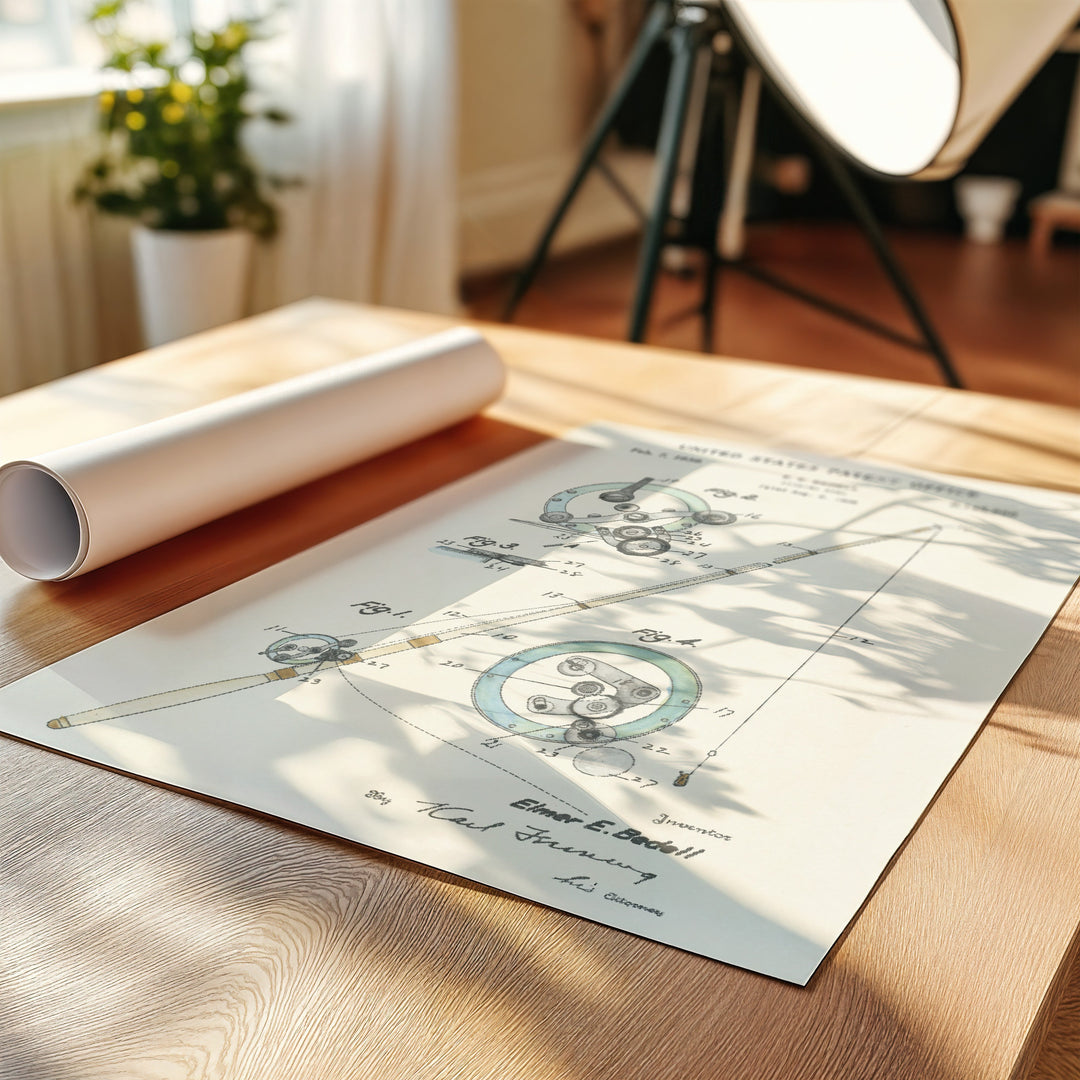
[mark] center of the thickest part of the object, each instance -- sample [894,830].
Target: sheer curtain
[47,321]
[373,145]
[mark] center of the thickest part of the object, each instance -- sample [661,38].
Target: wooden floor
[1010,320]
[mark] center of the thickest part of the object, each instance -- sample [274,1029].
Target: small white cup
[986,203]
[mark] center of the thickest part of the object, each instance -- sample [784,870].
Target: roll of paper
[69,511]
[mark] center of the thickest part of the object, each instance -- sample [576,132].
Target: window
[36,34]
[47,51]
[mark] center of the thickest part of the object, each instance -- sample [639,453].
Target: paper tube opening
[40,527]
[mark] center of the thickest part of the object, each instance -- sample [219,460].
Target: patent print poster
[697,692]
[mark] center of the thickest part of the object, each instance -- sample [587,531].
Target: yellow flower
[170,168]
[233,36]
[135,121]
[106,100]
[135,96]
[172,113]
[181,92]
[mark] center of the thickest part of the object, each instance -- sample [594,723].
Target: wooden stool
[1049,212]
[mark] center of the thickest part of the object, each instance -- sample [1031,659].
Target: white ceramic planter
[189,281]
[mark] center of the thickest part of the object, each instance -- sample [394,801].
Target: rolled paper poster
[69,511]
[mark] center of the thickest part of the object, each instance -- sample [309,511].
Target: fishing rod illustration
[304,655]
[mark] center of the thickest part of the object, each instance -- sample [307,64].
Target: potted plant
[172,158]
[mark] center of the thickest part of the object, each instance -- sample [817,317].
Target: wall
[527,92]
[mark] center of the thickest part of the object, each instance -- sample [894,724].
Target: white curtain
[49,323]
[373,145]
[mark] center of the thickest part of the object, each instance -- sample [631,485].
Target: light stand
[689,27]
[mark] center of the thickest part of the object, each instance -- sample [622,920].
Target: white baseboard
[503,209]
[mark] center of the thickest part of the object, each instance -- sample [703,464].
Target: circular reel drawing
[588,695]
[310,649]
[635,518]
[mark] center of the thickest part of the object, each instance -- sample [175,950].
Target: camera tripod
[690,27]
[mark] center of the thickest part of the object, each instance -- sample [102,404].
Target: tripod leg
[738,117]
[686,38]
[709,301]
[869,223]
[652,31]
[682,194]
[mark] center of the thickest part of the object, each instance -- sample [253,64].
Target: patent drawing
[636,519]
[589,701]
[695,691]
[580,695]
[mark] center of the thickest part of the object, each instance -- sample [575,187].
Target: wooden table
[146,933]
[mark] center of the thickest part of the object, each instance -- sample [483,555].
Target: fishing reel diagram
[308,650]
[637,519]
[587,695]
